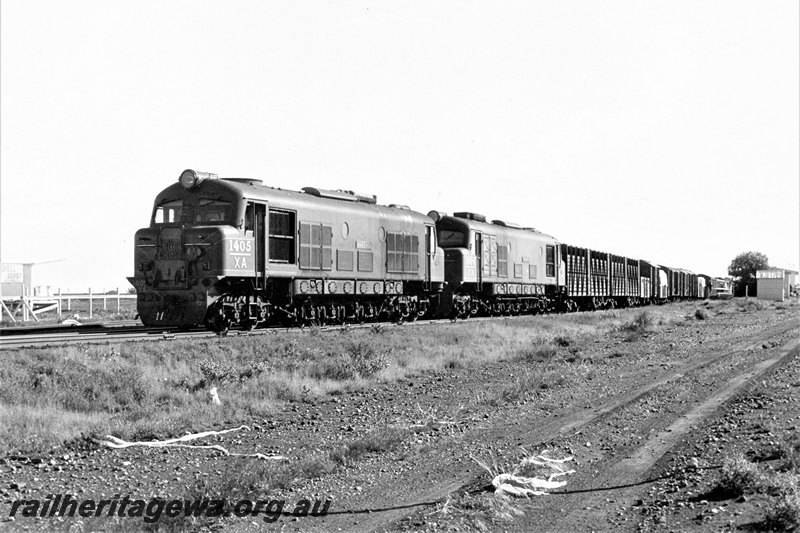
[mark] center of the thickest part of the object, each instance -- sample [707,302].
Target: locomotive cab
[197,237]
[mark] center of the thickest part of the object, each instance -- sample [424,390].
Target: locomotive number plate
[240,245]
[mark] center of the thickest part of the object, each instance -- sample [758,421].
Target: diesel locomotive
[234,253]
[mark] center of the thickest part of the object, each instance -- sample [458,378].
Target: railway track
[44,336]
[60,335]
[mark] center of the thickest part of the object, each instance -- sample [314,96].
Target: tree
[743,269]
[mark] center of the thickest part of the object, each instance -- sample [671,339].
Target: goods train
[234,253]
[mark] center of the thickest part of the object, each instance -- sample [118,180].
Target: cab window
[168,212]
[550,262]
[212,211]
[281,236]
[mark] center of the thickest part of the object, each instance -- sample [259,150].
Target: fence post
[59,302]
[117,300]
[90,302]
[24,307]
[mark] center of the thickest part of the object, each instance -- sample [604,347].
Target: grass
[161,389]
[80,307]
[377,442]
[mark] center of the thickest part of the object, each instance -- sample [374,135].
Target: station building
[776,284]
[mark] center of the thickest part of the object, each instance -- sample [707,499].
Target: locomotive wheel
[220,325]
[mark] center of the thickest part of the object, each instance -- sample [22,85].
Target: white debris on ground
[212,392]
[117,443]
[534,476]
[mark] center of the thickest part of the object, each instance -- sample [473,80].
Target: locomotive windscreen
[452,238]
[202,211]
[211,211]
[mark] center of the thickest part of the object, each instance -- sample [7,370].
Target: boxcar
[596,280]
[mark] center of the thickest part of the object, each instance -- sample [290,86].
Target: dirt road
[617,436]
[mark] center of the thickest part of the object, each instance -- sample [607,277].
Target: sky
[662,130]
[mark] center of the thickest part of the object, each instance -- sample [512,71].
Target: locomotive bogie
[178,307]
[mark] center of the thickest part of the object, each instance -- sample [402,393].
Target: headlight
[190,178]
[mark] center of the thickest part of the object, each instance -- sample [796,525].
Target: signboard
[11,273]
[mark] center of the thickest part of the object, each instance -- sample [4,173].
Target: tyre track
[379,518]
[633,470]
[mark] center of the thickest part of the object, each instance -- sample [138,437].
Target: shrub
[366,360]
[574,356]
[359,360]
[536,354]
[790,451]
[453,363]
[216,372]
[750,305]
[381,441]
[784,515]
[739,476]
[562,341]
[640,323]
[522,386]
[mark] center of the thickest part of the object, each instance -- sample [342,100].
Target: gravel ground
[647,417]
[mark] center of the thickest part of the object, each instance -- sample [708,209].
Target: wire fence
[29,307]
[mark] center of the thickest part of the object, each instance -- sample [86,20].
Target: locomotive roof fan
[190,178]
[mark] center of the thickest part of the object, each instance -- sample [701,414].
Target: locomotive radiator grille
[170,244]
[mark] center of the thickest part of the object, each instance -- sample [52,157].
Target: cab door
[255,225]
[479,260]
[430,249]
